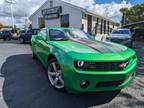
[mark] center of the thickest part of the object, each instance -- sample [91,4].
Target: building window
[108,28]
[104,26]
[101,30]
[89,23]
[41,22]
[84,16]
[96,26]
[65,20]
[51,3]
[82,27]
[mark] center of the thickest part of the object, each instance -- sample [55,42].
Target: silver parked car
[121,36]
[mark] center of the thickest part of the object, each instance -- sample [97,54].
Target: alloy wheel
[55,75]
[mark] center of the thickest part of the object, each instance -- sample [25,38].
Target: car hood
[119,36]
[88,50]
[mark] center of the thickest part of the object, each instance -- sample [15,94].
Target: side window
[37,31]
[29,32]
[56,34]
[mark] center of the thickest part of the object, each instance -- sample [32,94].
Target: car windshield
[76,33]
[6,32]
[57,35]
[121,32]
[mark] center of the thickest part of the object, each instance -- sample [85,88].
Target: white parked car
[122,36]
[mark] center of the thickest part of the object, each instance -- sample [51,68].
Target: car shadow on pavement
[26,86]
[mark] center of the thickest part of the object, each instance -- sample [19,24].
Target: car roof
[122,29]
[63,28]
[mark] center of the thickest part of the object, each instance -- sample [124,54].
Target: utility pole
[11,2]
[26,21]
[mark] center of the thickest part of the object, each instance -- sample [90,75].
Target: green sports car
[78,63]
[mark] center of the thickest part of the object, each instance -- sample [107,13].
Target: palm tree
[124,11]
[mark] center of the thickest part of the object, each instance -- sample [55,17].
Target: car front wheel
[54,74]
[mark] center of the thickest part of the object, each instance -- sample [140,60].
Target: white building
[63,14]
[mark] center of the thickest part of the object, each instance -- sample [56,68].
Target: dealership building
[63,14]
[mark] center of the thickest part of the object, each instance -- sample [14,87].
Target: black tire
[34,57]
[8,38]
[47,72]
[5,39]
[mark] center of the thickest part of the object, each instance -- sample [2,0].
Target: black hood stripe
[98,46]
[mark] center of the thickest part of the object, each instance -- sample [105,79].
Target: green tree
[133,14]
[1,26]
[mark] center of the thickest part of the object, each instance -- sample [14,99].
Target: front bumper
[127,43]
[98,81]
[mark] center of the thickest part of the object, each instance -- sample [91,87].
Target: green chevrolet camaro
[77,63]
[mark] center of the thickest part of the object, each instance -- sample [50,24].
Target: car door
[42,47]
[28,35]
[0,35]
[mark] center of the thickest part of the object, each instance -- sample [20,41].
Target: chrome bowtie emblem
[123,65]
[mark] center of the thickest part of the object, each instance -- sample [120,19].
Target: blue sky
[118,1]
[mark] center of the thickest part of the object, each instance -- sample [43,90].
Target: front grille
[109,84]
[103,66]
[119,40]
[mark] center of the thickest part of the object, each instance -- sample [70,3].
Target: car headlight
[83,65]
[80,63]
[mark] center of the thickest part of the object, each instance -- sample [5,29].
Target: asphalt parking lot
[23,84]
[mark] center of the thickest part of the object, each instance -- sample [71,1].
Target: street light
[11,2]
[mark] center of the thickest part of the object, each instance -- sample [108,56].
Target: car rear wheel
[54,74]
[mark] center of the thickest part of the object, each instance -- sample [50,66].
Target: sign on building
[52,13]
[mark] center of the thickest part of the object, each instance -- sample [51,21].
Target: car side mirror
[40,37]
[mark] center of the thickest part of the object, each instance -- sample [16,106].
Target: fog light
[84,83]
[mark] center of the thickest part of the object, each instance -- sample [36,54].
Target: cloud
[24,8]
[110,10]
[21,9]
[88,4]
[1,2]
